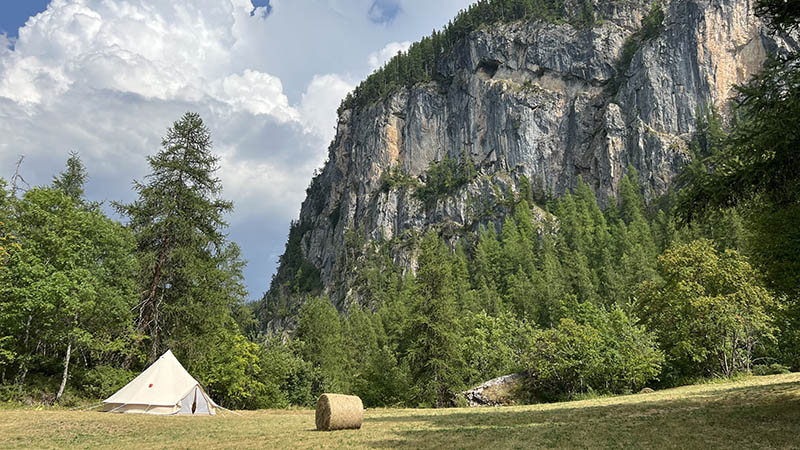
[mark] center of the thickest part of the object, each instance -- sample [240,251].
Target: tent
[163,388]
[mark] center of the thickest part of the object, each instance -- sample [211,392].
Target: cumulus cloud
[256,93]
[323,96]
[107,77]
[379,58]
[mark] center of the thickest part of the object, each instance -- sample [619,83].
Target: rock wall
[547,101]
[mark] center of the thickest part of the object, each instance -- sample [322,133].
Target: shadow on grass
[737,417]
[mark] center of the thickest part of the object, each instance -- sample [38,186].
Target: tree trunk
[66,373]
[148,314]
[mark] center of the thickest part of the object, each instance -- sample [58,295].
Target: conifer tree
[321,342]
[191,275]
[487,259]
[434,353]
[72,180]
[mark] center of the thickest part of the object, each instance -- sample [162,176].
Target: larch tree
[191,274]
[434,353]
[72,180]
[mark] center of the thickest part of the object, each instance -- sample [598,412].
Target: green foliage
[758,157]
[772,369]
[434,357]
[709,311]
[190,274]
[493,345]
[782,14]
[652,24]
[445,177]
[296,276]
[753,166]
[101,381]
[70,283]
[396,178]
[320,341]
[237,375]
[72,180]
[377,375]
[605,352]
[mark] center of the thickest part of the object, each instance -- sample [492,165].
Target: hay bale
[339,412]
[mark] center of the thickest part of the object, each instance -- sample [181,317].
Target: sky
[106,78]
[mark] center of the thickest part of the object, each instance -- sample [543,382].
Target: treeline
[703,283]
[420,62]
[87,302]
[603,301]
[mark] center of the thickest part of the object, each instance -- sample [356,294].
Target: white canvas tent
[163,388]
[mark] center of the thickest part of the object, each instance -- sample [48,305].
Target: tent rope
[228,410]
[87,408]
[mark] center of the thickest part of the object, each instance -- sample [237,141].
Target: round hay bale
[339,412]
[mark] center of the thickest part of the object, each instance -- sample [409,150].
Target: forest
[700,283]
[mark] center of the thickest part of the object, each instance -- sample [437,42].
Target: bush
[241,374]
[102,381]
[493,346]
[445,177]
[607,353]
[772,369]
[396,178]
[709,311]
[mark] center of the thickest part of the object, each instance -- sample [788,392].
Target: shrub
[597,351]
[395,178]
[445,177]
[102,381]
[772,369]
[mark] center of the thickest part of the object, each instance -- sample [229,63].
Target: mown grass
[758,412]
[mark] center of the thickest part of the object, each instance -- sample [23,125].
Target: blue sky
[14,13]
[106,78]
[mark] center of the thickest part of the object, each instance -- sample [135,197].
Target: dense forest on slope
[581,299]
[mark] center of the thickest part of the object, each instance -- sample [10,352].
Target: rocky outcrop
[549,102]
[497,392]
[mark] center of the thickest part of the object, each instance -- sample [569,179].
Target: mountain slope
[526,105]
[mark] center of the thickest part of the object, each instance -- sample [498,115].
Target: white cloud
[256,93]
[320,102]
[379,58]
[107,77]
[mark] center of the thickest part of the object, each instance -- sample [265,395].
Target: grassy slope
[760,412]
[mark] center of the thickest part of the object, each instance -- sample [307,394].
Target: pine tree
[321,342]
[434,352]
[191,275]
[488,259]
[72,180]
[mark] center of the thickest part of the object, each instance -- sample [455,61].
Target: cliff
[542,101]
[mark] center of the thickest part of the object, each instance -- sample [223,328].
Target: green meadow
[757,412]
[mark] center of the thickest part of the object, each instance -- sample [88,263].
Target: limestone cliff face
[547,101]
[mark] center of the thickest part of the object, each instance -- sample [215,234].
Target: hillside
[760,412]
[443,137]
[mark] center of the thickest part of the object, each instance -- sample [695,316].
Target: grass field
[759,412]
